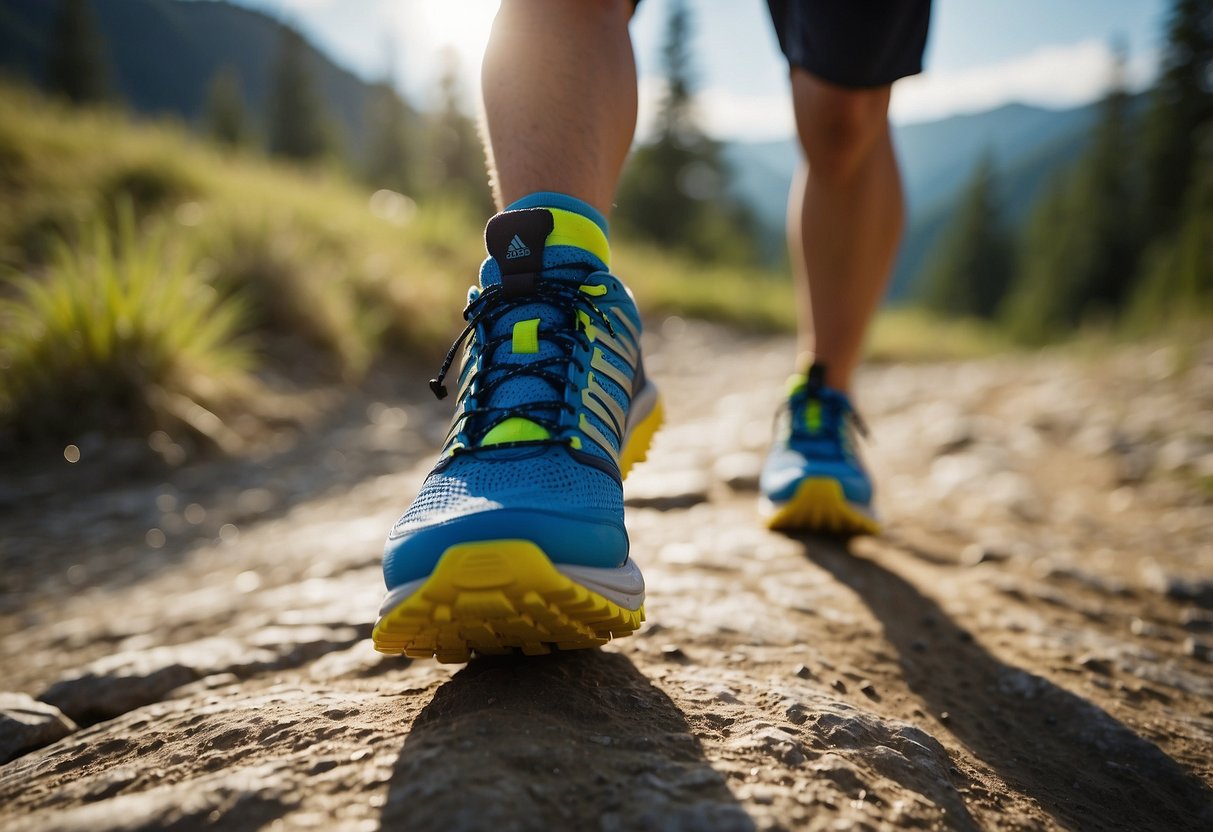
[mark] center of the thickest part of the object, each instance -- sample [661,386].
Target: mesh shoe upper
[542,405]
[814,440]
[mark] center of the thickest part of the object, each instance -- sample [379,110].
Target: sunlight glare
[462,26]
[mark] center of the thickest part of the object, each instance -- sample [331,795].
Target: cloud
[1064,75]
[748,117]
[724,113]
[1053,76]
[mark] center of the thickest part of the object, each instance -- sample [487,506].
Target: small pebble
[1095,664]
[975,554]
[1145,629]
[673,652]
[1198,649]
[1197,621]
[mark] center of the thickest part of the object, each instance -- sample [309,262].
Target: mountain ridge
[163,55]
[1028,144]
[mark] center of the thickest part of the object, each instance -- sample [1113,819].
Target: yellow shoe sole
[497,596]
[820,506]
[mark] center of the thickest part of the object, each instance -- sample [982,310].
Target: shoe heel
[636,450]
[819,506]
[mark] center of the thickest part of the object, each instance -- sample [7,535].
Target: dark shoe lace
[490,306]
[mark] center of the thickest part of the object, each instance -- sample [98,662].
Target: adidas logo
[516,249]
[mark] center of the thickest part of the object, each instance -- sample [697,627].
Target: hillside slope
[164,53]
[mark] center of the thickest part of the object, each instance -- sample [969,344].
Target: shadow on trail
[577,740]
[1083,767]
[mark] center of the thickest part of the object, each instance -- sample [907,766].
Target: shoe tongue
[518,260]
[816,378]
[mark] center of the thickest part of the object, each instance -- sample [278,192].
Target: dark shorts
[853,43]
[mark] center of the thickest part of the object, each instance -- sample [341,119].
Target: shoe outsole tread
[819,506]
[496,597]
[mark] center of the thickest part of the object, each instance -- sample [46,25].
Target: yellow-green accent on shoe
[526,337]
[812,416]
[572,229]
[514,429]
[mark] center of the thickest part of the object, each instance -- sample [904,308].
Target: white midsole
[623,585]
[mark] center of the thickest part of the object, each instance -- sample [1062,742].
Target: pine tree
[453,147]
[298,127]
[76,68]
[973,269]
[1106,195]
[1178,274]
[673,190]
[1181,103]
[389,162]
[676,121]
[1082,246]
[1049,250]
[226,121]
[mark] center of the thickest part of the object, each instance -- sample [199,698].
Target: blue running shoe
[813,481]
[516,540]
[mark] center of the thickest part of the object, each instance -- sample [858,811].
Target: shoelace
[798,428]
[487,308]
[848,411]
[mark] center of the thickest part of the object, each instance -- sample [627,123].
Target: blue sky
[981,53]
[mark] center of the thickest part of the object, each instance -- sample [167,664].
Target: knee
[838,126]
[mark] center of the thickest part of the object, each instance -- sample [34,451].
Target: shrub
[118,335]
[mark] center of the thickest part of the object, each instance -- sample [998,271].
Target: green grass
[119,333]
[911,334]
[762,301]
[312,230]
[666,283]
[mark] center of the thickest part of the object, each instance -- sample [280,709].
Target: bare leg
[844,220]
[559,84]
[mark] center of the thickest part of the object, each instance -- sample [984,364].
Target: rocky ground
[1027,647]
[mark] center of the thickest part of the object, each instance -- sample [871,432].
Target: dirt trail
[1027,647]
